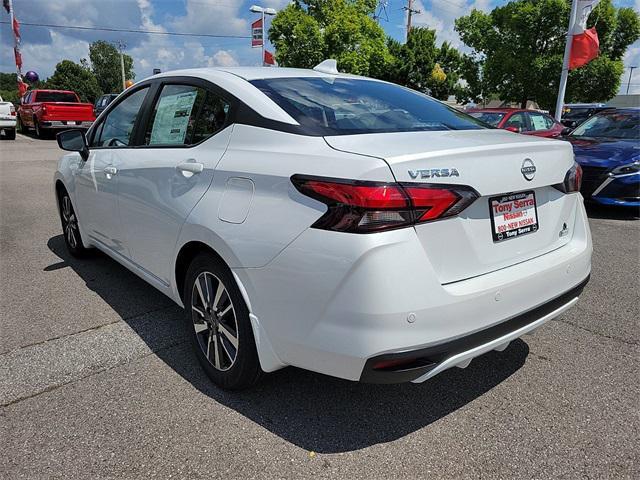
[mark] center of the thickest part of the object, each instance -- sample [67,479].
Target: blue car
[607,147]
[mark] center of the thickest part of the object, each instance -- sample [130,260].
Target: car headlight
[627,169]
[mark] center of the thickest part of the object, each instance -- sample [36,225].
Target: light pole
[262,11]
[631,69]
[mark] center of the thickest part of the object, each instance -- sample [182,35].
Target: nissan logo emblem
[528,169]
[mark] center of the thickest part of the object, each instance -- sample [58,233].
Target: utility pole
[631,69]
[410,11]
[565,62]
[121,47]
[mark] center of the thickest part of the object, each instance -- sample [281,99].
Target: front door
[97,178]
[159,185]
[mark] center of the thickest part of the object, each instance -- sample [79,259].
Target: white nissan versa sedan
[340,224]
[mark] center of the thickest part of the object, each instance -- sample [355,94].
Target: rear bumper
[63,124]
[337,303]
[428,362]
[8,123]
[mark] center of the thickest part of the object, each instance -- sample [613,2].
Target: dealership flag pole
[565,62]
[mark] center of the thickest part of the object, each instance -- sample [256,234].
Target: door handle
[191,167]
[110,171]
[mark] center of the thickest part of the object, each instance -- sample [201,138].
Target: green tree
[518,49]
[69,75]
[104,61]
[307,32]
[414,64]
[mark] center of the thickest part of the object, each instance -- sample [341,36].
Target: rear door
[541,125]
[185,136]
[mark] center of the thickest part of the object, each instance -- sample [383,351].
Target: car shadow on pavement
[313,411]
[612,212]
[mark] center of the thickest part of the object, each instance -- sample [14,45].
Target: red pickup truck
[45,110]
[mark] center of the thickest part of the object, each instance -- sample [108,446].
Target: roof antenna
[328,66]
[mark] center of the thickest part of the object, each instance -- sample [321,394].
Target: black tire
[40,133]
[70,230]
[22,128]
[10,134]
[212,330]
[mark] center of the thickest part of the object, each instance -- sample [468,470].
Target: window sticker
[172,119]
[539,122]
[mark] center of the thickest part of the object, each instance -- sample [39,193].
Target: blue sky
[44,47]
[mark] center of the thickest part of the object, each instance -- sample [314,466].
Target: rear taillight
[572,180]
[12,110]
[362,206]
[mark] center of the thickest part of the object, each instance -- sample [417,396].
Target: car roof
[498,110]
[52,90]
[235,80]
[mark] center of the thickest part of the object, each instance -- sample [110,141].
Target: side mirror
[566,131]
[514,129]
[74,141]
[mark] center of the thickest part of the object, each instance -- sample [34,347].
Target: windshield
[492,118]
[620,125]
[343,106]
[56,97]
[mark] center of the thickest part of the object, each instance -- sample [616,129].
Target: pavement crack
[90,329]
[51,388]
[598,334]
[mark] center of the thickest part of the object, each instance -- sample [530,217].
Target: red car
[528,122]
[45,110]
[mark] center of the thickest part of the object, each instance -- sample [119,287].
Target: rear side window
[540,121]
[56,97]
[343,106]
[185,115]
[116,129]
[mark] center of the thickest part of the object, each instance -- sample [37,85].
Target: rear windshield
[56,97]
[344,106]
[619,125]
[492,118]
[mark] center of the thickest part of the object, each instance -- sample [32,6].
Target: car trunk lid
[495,163]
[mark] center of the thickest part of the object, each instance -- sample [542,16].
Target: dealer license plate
[513,215]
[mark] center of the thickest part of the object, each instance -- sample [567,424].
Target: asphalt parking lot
[97,380]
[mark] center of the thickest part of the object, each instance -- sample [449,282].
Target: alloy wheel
[69,223]
[214,321]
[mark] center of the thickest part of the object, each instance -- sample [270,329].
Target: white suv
[340,224]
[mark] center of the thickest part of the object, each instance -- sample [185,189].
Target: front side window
[518,121]
[623,125]
[185,115]
[116,129]
[343,106]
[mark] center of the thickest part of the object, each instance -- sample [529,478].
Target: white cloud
[223,58]
[206,16]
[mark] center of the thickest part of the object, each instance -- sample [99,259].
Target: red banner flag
[16,27]
[256,33]
[269,58]
[22,88]
[18,56]
[584,48]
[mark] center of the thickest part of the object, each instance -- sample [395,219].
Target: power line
[126,30]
